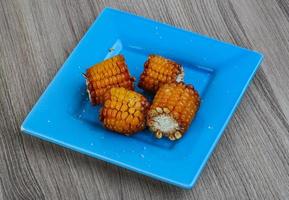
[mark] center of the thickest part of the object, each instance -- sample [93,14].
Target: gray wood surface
[250,162]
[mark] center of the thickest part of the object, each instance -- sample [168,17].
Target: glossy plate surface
[219,71]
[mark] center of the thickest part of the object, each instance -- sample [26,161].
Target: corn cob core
[124,111]
[112,72]
[173,109]
[158,71]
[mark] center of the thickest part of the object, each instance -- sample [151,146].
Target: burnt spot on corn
[124,111]
[158,71]
[173,109]
[112,72]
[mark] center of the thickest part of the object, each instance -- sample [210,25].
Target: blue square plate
[219,71]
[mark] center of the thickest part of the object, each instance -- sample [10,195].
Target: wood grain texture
[252,158]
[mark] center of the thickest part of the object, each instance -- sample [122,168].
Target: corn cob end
[181,75]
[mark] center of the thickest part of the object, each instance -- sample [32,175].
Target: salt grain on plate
[210,127]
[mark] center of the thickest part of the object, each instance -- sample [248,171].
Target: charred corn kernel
[178,135]
[112,72]
[159,134]
[158,71]
[172,117]
[171,137]
[124,111]
[166,110]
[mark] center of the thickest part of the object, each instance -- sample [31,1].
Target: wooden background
[252,158]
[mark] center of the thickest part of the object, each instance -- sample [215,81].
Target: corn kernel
[131,110]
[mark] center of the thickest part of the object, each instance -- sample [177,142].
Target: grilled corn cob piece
[173,108]
[112,72]
[159,70]
[124,111]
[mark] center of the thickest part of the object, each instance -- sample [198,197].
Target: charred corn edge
[195,93]
[141,82]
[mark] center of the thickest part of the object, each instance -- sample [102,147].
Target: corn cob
[124,111]
[173,108]
[158,71]
[112,72]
